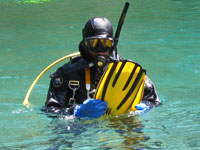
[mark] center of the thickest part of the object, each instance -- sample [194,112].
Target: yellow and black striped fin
[121,86]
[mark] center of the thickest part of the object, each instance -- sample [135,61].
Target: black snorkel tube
[119,27]
[101,61]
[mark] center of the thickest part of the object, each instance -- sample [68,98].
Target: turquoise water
[163,36]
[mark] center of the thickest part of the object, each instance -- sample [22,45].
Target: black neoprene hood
[98,27]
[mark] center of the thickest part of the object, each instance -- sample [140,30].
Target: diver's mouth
[99,53]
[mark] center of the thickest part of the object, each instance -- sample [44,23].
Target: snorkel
[101,61]
[119,27]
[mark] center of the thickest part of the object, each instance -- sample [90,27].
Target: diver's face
[99,46]
[99,49]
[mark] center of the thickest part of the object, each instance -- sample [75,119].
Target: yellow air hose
[26,101]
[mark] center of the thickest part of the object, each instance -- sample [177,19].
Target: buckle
[73,84]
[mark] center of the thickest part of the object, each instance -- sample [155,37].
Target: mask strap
[87,81]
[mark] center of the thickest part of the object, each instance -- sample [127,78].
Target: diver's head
[97,43]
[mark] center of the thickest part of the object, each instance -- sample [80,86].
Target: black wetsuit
[60,91]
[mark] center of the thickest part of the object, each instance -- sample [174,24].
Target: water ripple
[11,77]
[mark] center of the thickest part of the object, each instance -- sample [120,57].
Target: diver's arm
[150,96]
[149,100]
[56,98]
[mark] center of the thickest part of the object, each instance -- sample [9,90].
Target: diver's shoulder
[70,66]
[73,63]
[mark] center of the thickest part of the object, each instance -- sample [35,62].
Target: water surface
[163,36]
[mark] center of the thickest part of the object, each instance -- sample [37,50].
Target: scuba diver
[69,91]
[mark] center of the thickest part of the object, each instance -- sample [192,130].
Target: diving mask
[99,44]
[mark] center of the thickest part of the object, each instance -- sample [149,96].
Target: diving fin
[122,86]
